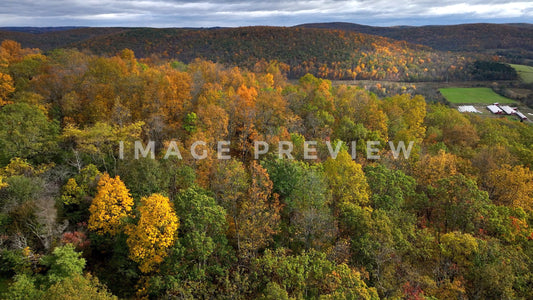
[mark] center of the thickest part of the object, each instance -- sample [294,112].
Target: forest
[77,221]
[324,53]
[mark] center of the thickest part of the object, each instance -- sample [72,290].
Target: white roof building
[507,109]
[494,109]
[468,108]
[521,115]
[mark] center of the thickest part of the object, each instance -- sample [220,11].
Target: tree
[405,118]
[230,187]
[378,241]
[429,169]
[512,186]
[259,213]
[202,243]
[310,275]
[6,88]
[155,232]
[391,189]
[26,132]
[79,287]
[347,180]
[100,143]
[23,288]
[110,207]
[355,109]
[456,203]
[64,262]
[201,254]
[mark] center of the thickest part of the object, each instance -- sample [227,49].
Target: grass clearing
[525,73]
[473,95]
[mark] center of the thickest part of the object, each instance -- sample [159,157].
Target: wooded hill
[331,50]
[333,54]
[514,41]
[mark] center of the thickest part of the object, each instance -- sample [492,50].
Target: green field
[473,95]
[525,73]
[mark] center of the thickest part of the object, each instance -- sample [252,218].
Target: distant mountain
[334,54]
[504,39]
[52,39]
[38,30]
[329,50]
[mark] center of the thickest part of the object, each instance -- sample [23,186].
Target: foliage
[347,180]
[26,132]
[110,207]
[154,233]
[64,262]
[454,220]
[311,275]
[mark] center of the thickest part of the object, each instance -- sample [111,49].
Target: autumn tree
[354,107]
[429,169]
[347,180]
[230,185]
[154,233]
[405,118]
[100,144]
[310,274]
[110,207]
[456,203]
[512,186]
[259,213]
[6,88]
[313,102]
[451,128]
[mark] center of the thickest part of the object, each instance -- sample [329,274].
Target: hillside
[52,39]
[333,54]
[512,40]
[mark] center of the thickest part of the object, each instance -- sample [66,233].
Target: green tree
[391,189]
[64,262]
[23,288]
[202,241]
[456,203]
[26,132]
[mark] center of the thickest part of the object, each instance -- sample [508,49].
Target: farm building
[507,109]
[521,116]
[495,109]
[468,108]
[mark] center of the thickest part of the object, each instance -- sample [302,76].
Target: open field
[473,95]
[525,73]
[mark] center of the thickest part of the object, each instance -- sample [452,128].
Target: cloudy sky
[209,13]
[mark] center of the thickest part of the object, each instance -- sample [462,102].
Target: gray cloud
[207,13]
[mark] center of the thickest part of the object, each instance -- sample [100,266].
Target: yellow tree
[347,180]
[111,205]
[2,183]
[511,186]
[430,169]
[406,119]
[155,233]
[6,88]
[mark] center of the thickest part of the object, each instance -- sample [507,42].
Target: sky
[232,13]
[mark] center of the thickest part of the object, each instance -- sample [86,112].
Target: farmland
[473,96]
[525,73]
